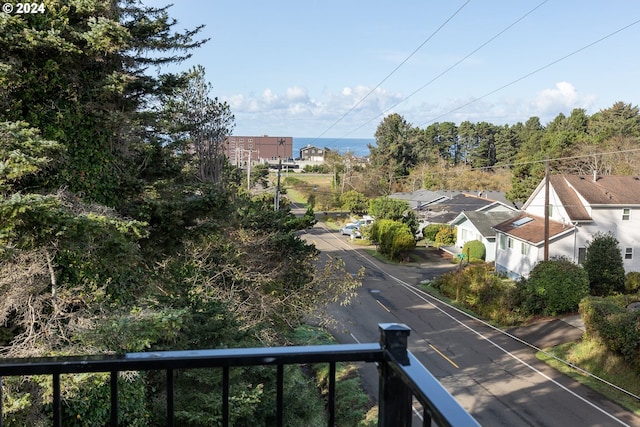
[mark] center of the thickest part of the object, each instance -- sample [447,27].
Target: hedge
[554,287]
[474,249]
[617,326]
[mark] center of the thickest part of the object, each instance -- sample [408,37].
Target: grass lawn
[296,196]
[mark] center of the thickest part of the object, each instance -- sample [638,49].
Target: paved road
[493,375]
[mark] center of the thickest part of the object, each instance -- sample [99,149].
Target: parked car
[351,229]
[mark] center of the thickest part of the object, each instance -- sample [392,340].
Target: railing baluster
[394,396]
[57,403]
[170,411]
[426,418]
[114,398]
[280,396]
[401,376]
[332,394]
[225,396]
[1,416]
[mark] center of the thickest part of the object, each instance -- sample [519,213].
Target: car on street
[351,229]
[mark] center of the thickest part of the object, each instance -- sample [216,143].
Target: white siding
[626,231]
[467,232]
[558,212]
[517,264]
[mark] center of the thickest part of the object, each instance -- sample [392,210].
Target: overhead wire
[523,163]
[537,70]
[450,67]
[395,69]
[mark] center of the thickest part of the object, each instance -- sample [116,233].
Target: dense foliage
[482,155]
[609,319]
[393,238]
[604,265]
[354,202]
[478,288]
[123,228]
[446,235]
[474,250]
[394,209]
[554,287]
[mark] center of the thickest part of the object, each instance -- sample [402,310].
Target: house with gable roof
[579,207]
[478,225]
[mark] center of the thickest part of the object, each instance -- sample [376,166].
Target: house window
[510,243]
[628,253]
[503,241]
[582,255]
[250,140]
[524,249]
[550,210]
[626,214]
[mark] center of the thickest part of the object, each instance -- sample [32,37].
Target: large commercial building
[264,149]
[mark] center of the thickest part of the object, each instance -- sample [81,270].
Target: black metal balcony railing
[402,376]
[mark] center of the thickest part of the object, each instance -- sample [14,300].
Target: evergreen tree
[604,265]
[80,78]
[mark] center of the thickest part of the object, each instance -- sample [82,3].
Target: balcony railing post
[395,397]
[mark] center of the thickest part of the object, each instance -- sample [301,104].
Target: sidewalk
[575,321]
[549,333]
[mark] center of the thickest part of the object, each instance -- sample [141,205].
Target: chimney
[595,175]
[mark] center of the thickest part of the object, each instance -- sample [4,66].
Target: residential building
[579,207]
[478,225]
[519,243]
[312,154]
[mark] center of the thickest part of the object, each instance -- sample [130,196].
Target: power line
[510,165]
[395,69]
[534,71]
[451,67]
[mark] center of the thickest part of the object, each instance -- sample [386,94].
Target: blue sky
[302,67]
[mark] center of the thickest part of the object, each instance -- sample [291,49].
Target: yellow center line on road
[383,306]
[445,357]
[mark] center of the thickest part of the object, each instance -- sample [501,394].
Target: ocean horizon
[358,146]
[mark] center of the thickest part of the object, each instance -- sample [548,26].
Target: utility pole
[546,210]
[239,159]
[249,172]
[278,185]
[276,198]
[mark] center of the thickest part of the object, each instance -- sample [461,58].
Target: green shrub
[403,243]
[85,400]
[394,239]
[618,327]
[474,249]
[632,282]
[354,202]
[480,289]
[430,231]
[604,265]
[554,287]
[446,236]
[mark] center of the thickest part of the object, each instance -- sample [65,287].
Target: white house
[477,225]
[579,207]
[520,243]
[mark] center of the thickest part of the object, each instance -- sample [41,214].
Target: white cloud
[268,97]
[561,97]
[271,107]
[297,94]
